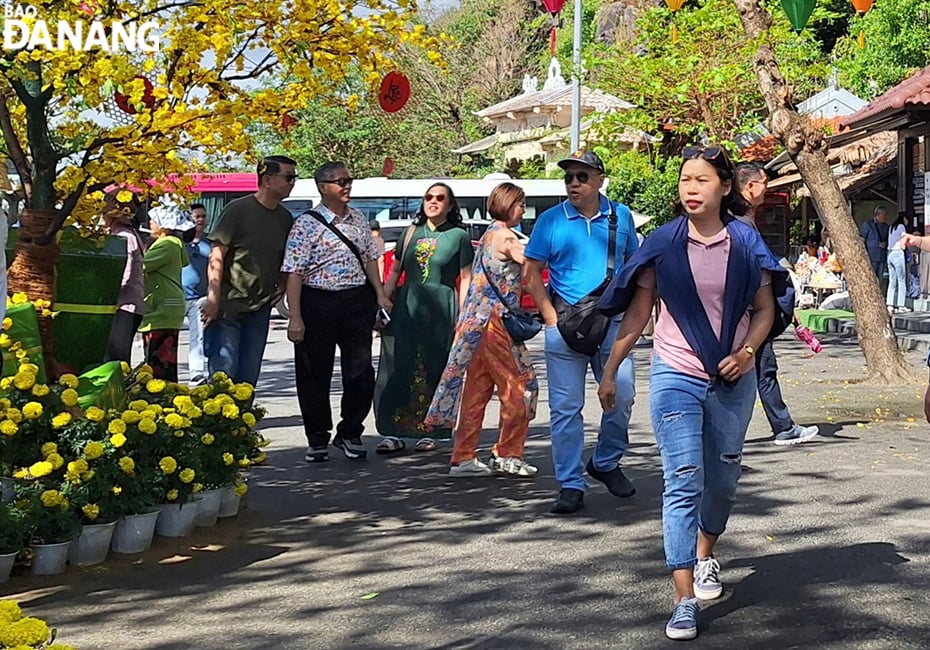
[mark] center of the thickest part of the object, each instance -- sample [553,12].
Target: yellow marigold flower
[249,419]
[155,385]
[69,397]
[259,459]
[26,632]
[174,420]
[228,458]
[78,466]
[242,391]
[56,460]
[138,405]
[48,449]
[125,367]
[8,428]
[193,413]
[86,476]
[230,411]
[147,426]
[19,298]
[131,417]
[68,380]
[116,426]
[220,377]
[182,401]
[93,450]
[172,495]
[186,475]
[21,355]
[201,392]
[168,465]
[24,380]
[40,390]
[207,438]
[7,323]
[117,490]
[155,408]
[61,420]
[29,367]
[32,410]
[91,511]
[128,465]
[244,462]
[117,440]
[224,399]
[51,498]
[60,646]
[95,414]
[5,342]
[14,414]
[9,611]
[211,407]
[5,403]
[198,488]
[240,489]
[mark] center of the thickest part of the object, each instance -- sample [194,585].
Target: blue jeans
[196,360]
[236,345]
[700,427]
[897,278]
[566,370]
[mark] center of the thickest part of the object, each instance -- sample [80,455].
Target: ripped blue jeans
[700,427]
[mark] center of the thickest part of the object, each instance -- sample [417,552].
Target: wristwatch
[751,351]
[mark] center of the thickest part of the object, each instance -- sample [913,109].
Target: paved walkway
[828,546]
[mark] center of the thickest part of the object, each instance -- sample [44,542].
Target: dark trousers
[344,319]
[769,390]
[122,332]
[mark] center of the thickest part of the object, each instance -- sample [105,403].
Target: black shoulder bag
[520,325]
[582,325]
[345,240]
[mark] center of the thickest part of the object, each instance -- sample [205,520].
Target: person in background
[875,233]
[244,276]
[896,296]
[751,183]
[194,279]
[379,242]
[922,243]
[130,305]
[164,295]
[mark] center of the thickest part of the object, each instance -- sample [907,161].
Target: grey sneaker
[317,454]
[796,435]
[682,626]
[473,467]
[512,466]
[351,447]
[707,585]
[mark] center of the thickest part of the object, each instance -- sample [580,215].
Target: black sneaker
[617,484]
[317,454]
[351,447]
[570,501]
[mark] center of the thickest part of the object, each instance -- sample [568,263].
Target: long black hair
[455,214]
[733,202]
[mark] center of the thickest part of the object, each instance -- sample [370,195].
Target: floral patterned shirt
[324,261]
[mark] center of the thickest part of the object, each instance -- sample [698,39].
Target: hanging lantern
[799,12]
[148,98]
[288,122]
[675,5]
[553,7]
[395,91]
[862,8]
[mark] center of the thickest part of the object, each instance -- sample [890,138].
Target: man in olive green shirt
[244,280]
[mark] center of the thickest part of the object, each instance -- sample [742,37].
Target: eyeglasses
[435,197]
[290,178]
[583,177]
[341,182]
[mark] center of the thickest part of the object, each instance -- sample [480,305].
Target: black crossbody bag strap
[611,243]
[345,240]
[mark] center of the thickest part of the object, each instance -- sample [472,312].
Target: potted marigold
[12,537]
[25,632]
[51,524]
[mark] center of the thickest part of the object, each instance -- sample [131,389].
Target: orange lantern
[675,5]
[862,8]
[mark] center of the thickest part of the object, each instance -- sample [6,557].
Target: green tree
[646,183]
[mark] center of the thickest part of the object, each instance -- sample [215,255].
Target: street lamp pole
[576,81]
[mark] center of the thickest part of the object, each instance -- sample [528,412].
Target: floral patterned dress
[480,303]
[415,345]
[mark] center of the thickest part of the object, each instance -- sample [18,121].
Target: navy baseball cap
[584,157]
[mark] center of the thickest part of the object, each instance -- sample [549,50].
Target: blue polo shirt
[576,249]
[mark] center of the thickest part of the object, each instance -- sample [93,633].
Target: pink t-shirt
[708,262]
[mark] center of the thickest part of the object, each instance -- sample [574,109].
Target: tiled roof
[594,99]
[766,148]
[913,92]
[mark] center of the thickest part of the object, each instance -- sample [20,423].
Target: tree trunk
[33,271]
[806,146]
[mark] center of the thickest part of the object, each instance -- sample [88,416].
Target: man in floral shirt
[334,289]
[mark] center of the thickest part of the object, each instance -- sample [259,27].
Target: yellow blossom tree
[192,98]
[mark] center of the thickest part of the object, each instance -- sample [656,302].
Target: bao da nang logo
[25,28]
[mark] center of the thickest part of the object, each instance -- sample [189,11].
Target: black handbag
[582,325]
[520,325]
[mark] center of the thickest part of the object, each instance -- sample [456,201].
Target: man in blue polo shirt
[571,239]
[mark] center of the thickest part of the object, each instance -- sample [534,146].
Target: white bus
[394,202]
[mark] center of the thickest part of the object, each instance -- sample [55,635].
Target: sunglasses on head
[435,197]
[341,182]
[583,177]
[707,153]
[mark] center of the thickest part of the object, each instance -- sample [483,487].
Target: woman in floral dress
[435,255]
[484,356]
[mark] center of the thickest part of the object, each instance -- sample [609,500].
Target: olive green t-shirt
[255,237]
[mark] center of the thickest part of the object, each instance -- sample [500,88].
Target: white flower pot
[229,504]
[7,492]
[134,533]
[177,519]
[209,507]
[50,559]
[6,565]
[93,545]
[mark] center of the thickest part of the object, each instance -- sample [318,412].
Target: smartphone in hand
[382,318]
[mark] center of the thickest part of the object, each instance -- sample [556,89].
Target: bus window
[535,206]
[297,207]
[382,210]
[472,207]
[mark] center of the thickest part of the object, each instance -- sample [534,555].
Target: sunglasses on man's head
[435,197]
[583,177]
[341,182]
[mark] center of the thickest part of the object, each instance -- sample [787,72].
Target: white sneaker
[796,435]
[473,467]
[513,467]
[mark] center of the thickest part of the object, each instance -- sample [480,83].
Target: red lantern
[553,6]
[288,122]
[394,93]
[388,167]
[148,97]
[862,6]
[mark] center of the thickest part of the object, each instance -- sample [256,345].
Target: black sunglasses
[583,177]
[707,153]
[341,182]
